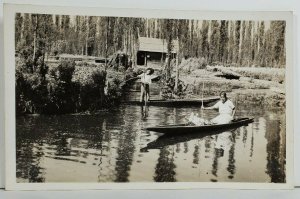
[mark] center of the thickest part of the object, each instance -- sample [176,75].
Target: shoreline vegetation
[77,64]
[68,87]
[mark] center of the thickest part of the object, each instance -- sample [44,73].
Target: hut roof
[71,56]
[156,45]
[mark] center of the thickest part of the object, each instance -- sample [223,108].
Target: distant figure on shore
[146,80]
[226,112]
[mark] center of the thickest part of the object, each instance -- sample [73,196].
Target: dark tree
[237,41]
[223,45]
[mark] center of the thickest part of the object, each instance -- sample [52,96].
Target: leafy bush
[65,88]
[99,78]
[202,63]
[61,90]
[65,71]
[31,93]
[130,73]
[31,85]
[192,64]
[114,91]
[168,89]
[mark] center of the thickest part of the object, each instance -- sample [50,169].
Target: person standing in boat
[146,80]
[226,110]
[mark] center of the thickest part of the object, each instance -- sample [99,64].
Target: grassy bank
[276,75]
[262,86]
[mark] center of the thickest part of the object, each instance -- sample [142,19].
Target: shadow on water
[167,140]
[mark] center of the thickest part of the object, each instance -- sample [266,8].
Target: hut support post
[145,61]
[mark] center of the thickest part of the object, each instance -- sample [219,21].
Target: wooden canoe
[175,137]
[185,128]
[172,139]
[175,102]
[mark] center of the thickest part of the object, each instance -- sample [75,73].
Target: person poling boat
[226,112]
[146,80]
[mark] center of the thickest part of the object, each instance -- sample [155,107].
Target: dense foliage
[63,91]
[68,87]
[238,43]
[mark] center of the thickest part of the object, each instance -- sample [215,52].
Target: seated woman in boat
[226,113]
[226,110]
[145,84]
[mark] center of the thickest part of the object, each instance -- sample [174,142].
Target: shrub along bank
[65,88]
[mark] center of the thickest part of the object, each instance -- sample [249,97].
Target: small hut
[153,51]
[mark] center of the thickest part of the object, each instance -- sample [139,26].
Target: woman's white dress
[225,112]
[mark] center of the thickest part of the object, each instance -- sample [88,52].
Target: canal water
[111,146]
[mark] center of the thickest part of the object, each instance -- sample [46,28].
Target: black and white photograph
[116,99]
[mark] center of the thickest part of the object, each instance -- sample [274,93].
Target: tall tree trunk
[34,40]
[34,46]
[168,71]
[87,36]
[177,74]
[127,43]
[237,41]
[106,41]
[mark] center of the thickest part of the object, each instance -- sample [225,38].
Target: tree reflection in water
[28,155]
[252,142]
[275,159]
[245,135]
[126,148]
[106,148]
[196,153]
[125,156]
[231,159]
[165,167]
[218,152]
[62,146]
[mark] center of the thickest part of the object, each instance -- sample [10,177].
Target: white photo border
[9,92]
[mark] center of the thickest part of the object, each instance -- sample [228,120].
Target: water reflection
[231,159]
[275,160]
[111,147]
[252,144]
[196,154]
[144,112]
[217,154]
[165,168]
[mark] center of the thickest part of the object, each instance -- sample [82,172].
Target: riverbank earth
[248,85]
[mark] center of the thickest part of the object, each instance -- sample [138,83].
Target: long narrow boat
[172,139]
[186,128]
[176,102]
